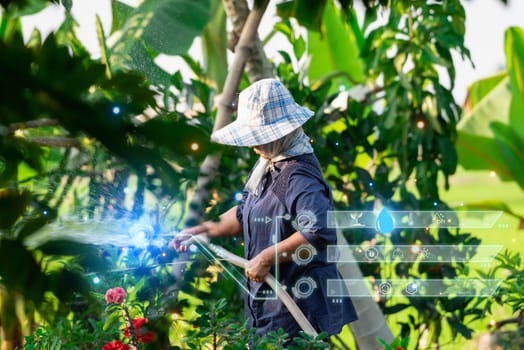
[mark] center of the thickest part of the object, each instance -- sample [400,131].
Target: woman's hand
[257,268]
[227,225]
[181,240]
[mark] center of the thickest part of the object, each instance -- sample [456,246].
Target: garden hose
[279,290]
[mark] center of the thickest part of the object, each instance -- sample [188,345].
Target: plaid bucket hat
[266,112]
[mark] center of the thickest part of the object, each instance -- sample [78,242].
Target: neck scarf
[294,144]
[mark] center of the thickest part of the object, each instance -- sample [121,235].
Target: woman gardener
[283,215]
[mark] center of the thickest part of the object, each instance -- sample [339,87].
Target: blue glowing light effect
[116,110]
[141,234]
[384,223]
[96,280]
[435,204]
[238,196]
[45,212]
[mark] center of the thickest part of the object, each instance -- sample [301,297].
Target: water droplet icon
[384,223]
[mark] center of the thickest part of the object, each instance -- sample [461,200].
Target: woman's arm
[258,267]
[227,225]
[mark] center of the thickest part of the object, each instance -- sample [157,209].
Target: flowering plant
[143,336]
[115,295]
[115,345]
[136,329]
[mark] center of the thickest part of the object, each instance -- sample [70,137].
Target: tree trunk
[248,44]
[371,323]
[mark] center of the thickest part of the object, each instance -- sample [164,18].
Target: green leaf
[174,24]
[335,50]
[20,271]
[307,13]
[174,135]
[155,27]
[511,147]
[66,34]
[120,12]
[514,47]
[449,155]
[479,89]
[457,326]
[142,60]
[88,256]
[214,46]
[481,153]
[13,205]
[26,7]
[68,4]
[103,46]
[166,26]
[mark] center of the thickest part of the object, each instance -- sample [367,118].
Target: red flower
[115,345]
[399,348]
[115,295]
[141,336]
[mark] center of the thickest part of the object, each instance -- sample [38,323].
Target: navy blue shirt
[293,197]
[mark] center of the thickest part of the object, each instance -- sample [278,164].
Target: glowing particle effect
[193,248]
[337,144]
[415,249]
[435,204]
[126,190]
[140,234]
[492,174]
[384,223]
[421,124]
[116,110]
[371,184]
[238,196]
[194,146]
[174,316]
[96,280]
[45,212]
[492,323]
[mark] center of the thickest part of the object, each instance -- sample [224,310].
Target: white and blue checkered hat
[266,112]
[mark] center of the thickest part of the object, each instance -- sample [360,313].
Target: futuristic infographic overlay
[384,222]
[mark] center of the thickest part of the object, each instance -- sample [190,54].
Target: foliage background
[94,185]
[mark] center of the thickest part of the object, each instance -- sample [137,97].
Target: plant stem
[131,327]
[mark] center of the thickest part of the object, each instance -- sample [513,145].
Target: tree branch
[32,124]
[55,141]
[246,48]
[257,64]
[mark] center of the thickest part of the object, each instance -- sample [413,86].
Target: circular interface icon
[412,288]
[304,254]
[397,253]
[384,288]
[304,287]
[424,253]
[304,220]
[372,253]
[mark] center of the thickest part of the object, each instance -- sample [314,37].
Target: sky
[486,21]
